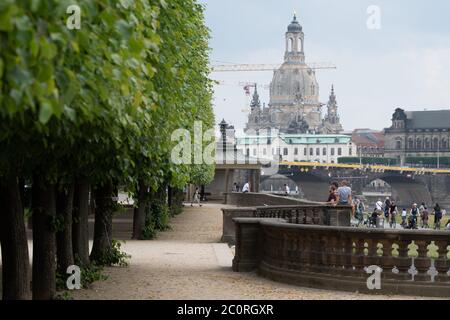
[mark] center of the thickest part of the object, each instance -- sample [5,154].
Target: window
[350,151]
[254,152]
[427,144]
[305,152]
[248,152]
[339,151]
[411,144]
[264,151]
[419,144]
[285,151]
[311,151]
[324,151]
[332,151]
[398,145]
[317,151]
[435,143]
[295,151]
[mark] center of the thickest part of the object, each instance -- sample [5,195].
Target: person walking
[196,198]
[437,217]
[387,207]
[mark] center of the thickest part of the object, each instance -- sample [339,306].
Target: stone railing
[299,214]
[339,258]
[261,199]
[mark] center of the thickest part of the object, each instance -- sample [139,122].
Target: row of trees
[368,161]
[85,111]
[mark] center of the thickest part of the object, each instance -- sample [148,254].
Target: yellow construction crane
[268,67]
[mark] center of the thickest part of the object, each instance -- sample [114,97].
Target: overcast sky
[404,64]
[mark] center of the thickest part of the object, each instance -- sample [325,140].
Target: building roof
[295,139]
[367,137]
[439,119]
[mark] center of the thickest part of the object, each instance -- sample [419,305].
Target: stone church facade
[294,106]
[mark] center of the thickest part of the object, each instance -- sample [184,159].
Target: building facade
[294,106]
[297,147]
[369,143]
[418,134]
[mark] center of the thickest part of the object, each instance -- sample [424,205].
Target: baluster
[387,261]
[371,258]
[422,262]
[358,255]
[442,262]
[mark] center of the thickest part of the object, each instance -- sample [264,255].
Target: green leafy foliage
[368,160]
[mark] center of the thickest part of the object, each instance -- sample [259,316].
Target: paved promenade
[188,262]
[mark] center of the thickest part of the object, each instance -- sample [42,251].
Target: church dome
[292,83]
[295,26]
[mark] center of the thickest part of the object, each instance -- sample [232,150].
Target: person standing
[246,188]
[437,217]
[235,187]
[392,214]
[387,207]
[413,216]
[196,198]
[404,215]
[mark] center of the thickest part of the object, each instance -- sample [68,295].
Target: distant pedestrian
[424,217]
[246,188]
[404,215]
[379,207]
[437,217]
[196,198]
[387,207]
[235,187]
[287,190]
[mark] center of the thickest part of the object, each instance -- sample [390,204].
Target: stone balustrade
[316,214]
[412,262]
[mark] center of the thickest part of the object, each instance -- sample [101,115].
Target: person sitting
[246,188]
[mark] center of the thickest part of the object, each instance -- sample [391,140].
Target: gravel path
[188,263]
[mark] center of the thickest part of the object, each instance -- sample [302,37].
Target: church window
[427,143]
[300,45]
[398,144]
[444,144]
[411,144]
[435,143]
[291,45]
[419,144]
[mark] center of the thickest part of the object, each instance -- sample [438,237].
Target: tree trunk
[44,240]
[64,206]
[103,223]
[80,226]
[13,238]
[139,212]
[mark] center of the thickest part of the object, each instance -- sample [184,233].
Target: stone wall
[299,214]
[336,258]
